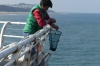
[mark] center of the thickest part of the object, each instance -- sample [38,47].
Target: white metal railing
[6,24]
[15,49]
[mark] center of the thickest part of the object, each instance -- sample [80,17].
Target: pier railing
[21,51]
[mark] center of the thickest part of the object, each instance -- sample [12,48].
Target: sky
[73,6]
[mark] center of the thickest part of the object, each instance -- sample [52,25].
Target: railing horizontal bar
[2,60]
[5,53]
[48,56]
[23,53]
[14,29]
[42,58]
[4,47]
[13,22]
[13,60]
[13,36]
[10,63]
[32,61]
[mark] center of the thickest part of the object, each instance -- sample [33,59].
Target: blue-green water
[80,40]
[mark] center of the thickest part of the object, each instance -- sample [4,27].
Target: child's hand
[53,20]
[54,26]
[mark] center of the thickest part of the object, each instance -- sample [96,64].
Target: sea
[79,43]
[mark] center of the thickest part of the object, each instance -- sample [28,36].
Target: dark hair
[46,3]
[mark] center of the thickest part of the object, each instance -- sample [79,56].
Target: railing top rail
[13,22]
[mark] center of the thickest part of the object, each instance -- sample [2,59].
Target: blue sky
[79,6]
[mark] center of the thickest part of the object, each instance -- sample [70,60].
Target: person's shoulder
[36,11]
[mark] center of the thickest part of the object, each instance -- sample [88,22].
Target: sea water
[79,43]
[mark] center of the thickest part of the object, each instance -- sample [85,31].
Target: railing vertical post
[2,33]
[15,55]
[37,52]
[27,58]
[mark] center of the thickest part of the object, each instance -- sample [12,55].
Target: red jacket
[38,16]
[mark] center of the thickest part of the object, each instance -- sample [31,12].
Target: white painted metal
[13,36]
[19,45]
[2,33]
[11,49]
[16,47]
[6,23]
[10,63]
[13,22]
